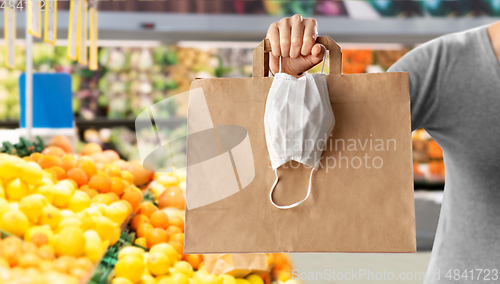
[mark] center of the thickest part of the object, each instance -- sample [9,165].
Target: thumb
[317,54]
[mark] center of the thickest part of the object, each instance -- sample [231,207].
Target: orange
[35,157]
[84,263]
[68,162]
[28,260]
[141,175]
[129,207]
[137,220]
[88,167]
[147,209]
[60,172]
[127,176]
[89,191]
[78,175]
[46,252]
[156,236]
[143,229]
[133,197]
[54,151]
[64,263]
[123,165]
[159,219]
[117,185]
[178,247]
[112,155]
[100,182]
[113,171]
[46,162]
[39,239]
[171,230]
[177,221]
[172,197]
[113,196]
[62,142]
[179,237]
[100,158]
[78,272]
[11,249]
[91,148]
[194,259]
[27,247]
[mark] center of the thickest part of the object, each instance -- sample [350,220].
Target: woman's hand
[294,39]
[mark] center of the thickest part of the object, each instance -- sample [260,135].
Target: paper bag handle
[261,56]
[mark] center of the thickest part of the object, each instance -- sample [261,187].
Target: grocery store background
[149,50]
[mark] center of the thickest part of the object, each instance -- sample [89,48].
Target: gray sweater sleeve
[424,65]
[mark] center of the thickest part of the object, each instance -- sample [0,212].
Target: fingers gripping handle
[261,56]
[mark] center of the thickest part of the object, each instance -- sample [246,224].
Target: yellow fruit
[32,173]
[66,183]
[167,180]
[121,280]
[102,199]
[16,189]
[168,250]
[85,219]
[104,227]
[69,222]
[164,279]
[130,251]
[242,281]
[212,279]
[32,206]
[62,196]
[10,166]
[44,230]
[2,190]
[14,222]
[46,182]
[93,246]
[50,216]
[70,241]
[142,242]
[4,263]
[79,201]
[254,279]
[131,268]
[99,207]
[14,206]
[65,213]
[228,279]
[182,267]
[4,206]
[193,281]
[147,279]
[47,191]
[117,212]
[179,278]
[158,263]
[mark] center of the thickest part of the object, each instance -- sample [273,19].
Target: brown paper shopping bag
[237,265]
[362,194]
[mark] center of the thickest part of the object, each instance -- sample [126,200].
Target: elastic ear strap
[324,58]
[280,65]
[295,204]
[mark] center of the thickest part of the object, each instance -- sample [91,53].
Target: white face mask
[298,120]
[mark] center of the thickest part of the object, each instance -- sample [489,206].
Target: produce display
[428,164]
[94,218]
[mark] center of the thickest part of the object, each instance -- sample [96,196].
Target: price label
[34,18]
[74,20]
[10,36]
[93,39]
[51,23]
[82,34]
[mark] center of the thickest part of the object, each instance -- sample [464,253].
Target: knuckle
[310,21]
[297,18]
[284,21]
[296,42]
[309,41]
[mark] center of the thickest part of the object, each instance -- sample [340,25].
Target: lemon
[69,222]
[46,182]
[104,227]
[67,184]
[32,206]
[168,250]
[254,279]
[228,279]
[182,267]
[141,241]
[242,281]
[121,280]
[179,278]
[32,173]
[45,230]
[99,207]
[93,246]
[79,201]
[70,241]
[116,212]
[14,222]
[164,279]
[130,251]
[131,268]
[65,213]
[2,190]
[14,205]
[4,206]
[147,279]
[193,281]
[16,189]
[167,180]
[10,166]
[62,196]
[85,219]
[47,191]
[51,216]
[158,263]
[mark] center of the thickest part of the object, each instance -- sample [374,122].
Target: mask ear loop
[295,204]
[324,58]
[280,65]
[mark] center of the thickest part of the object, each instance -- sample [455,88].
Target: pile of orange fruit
[64,208]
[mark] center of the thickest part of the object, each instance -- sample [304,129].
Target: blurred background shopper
[455,96]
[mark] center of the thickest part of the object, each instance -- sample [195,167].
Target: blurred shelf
[100,123]
[170,27]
